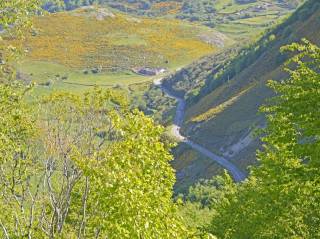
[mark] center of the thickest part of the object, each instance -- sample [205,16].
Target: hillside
[241,19]
[114,40]
[111,45]
[138,126]
[223,115]
[95,46]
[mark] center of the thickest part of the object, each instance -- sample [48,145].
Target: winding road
[236,173]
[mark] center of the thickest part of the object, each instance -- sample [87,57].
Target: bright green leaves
[94,170]
[78,166]
[107,172]
[16,125]
[131,182]
[20,172]
[294,119]
[15,23]
[281,198]
[19,165]
[15,15]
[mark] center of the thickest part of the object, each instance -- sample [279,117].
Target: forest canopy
[89,166]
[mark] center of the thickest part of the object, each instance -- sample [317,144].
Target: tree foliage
[281,198]
[78,166]
[86,168]
[14,22]
[107,172]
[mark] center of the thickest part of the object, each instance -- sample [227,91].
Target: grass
[258,20]
[78,41]
[65,45]
[42,72]
[252,23]
[51,77]
[220,108]
[239,31]
[227,7]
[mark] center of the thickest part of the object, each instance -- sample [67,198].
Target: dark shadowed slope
[178,121]
[224,115]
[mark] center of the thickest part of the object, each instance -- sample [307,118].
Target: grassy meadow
[66,48]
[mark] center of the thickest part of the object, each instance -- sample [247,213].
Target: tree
[19,171]
[14,22]
[18,194]
[197,207]
[86,168]
[77,166]
[107,172]
[281,198]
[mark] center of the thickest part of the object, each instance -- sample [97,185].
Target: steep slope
[175,132]
[223,116]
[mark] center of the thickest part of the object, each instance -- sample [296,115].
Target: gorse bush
[118,41]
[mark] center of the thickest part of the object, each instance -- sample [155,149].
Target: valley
[238,19]
[222,110]
[160,119]
[237,175]
[93,46]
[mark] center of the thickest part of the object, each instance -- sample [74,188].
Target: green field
[218,14]
[66,46]
[63,57]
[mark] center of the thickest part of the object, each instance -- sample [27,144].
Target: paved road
[237,174]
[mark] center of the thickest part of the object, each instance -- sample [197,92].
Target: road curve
[236,173]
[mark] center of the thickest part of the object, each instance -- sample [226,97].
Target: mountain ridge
[235,100]
[230,17]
